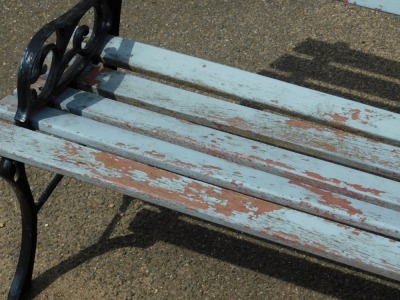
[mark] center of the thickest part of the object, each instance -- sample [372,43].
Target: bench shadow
[335,68]
[149,227]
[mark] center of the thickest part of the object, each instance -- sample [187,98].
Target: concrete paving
[97,244]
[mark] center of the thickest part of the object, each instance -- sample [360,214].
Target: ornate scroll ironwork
[74,47]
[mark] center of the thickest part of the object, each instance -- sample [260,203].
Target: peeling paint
[271,162]
[237,122]
[155,154]
[72,149]
[185,164]
[90,77]
[329,199]
[337,117]
[211,167]
[357,187]
[355,114]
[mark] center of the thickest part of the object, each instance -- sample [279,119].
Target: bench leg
[14,173]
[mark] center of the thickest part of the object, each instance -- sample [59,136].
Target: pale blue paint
[363,249]
[254,88]
[390,6]
[324,142]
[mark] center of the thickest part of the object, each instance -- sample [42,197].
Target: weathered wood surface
[247,152]
[257,217]
[291,165]
[287,132]
[390,6]
[255,88]
[220,172]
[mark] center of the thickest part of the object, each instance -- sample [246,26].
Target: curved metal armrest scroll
[73,48]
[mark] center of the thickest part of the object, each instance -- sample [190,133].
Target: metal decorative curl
[72,50]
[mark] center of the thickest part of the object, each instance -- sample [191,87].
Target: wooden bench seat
[229,146]
[260,217]
[305,169]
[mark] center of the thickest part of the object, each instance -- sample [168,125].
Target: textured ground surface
[97,244]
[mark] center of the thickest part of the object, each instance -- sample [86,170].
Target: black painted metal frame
[75,46]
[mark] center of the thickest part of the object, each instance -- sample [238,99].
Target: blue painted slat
[338,242]
[287,132]
[255,88]
[390,6]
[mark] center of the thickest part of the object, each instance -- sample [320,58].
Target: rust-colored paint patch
[283,236]
[357,187]
[234,182]
[316,176]
[218,125]
[236,122]
[72,149]
[125,166]
[355,114]
[114,162]
[338,118]
[305,125]
[329,199]
[90,77]
[185,164]
[211,167]
[366,190]
[322,145]
[195,195]
[230,202]
[272,162]
[317,247]
[155,154]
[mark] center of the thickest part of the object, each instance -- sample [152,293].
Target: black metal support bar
[14,173]
[48,191]
[115,6]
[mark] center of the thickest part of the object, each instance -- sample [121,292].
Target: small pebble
[111,205]
[2,224]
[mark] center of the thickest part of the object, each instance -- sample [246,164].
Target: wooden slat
[219,172]
[257,155]
[255,88]
[390,6]
[260,218]
[291,133]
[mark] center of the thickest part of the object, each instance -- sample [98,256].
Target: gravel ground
[97,244]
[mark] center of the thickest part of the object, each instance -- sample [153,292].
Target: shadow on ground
[336,69]
[170,228]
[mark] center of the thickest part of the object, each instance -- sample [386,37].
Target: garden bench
[305,169]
